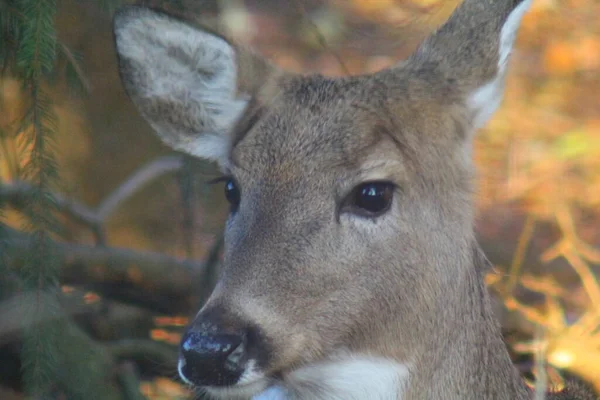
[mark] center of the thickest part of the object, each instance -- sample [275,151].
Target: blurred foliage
[62,108]
[29,55]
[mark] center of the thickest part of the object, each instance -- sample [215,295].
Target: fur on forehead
[312,116]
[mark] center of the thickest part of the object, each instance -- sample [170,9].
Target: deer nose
[212,359]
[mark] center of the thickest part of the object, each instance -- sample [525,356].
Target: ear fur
[485,100]
[190,84]
[472,50]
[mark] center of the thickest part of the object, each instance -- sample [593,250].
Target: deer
[351,269]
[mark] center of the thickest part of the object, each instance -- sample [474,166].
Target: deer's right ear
[192,86]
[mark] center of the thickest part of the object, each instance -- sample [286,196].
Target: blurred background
[109,241]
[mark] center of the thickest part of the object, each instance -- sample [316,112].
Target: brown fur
[408,285]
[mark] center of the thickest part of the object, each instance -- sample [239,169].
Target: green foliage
[576,144]
[58,359]
[66,360]
[52,346]
[36,51]
[35,55]
[39,353]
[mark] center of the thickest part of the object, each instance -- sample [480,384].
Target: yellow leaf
[576,144]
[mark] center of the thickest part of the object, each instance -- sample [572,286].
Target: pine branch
[37,46]
[52,345]
[104,319]
[68,347]
[35,60]
[11,308]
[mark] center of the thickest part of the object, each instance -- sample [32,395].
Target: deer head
[351,269]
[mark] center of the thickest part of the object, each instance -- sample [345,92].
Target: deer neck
[470,360]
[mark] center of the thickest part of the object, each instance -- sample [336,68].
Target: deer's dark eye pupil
[373,197]
[232,194]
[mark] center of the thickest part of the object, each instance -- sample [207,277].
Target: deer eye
[232,194]
[370,199]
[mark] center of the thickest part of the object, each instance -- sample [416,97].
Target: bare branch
[19,193]
[129,377]
[114,271]
[143,350]
[84,80]
[135,182]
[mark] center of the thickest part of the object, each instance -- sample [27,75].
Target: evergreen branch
[66,347]
[11,311]
[18,194]
[35,59]
[37,46]
[39,352]
[103,318]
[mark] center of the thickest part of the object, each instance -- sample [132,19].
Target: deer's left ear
[472,50]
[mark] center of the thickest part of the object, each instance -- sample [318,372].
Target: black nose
[212,359]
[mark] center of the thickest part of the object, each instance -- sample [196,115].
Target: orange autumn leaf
[560,58]
[372,6]
[90,297]
[159,334]
[169,387]
[588,53]
[593,126]
[66,289]
[170,321]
